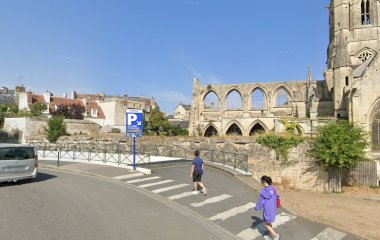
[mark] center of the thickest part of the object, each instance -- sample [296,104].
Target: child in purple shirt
[268,202]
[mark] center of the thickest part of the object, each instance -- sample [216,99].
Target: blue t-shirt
[197,162]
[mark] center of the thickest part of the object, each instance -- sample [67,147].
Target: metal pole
[59,153]
[134,153]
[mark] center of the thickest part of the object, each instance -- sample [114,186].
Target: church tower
[353,39]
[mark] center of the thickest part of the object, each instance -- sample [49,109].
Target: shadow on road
[258,224]
[41,177]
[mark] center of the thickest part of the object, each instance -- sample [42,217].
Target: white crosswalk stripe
[233,212]
[143,179]
[330,234]
[179,196]
[253,233]
[160,190]
[155,184]
[133,175]
[211,200]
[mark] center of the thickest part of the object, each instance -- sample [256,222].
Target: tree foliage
[340,144]
[74,111]
[37,109]
[158,123]
[281,144]
[7,110]
[291,125]
[56,128]
[174,130]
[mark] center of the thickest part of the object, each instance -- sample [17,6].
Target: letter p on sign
[131,118]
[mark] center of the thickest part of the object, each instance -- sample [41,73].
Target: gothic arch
[256,127]
[374,126]
[260,101]
[241,100]
[210,131]
[279,100]
[204,103]
[234,128]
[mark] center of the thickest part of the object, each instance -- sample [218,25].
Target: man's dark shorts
[197,176]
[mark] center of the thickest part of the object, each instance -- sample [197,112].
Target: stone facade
[350,90]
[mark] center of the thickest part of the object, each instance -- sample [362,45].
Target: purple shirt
[268,202]
[197,162]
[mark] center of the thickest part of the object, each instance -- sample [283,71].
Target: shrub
[281,144]
[115,130]
[56,128]
[74,111]
[340,144]
[37,109]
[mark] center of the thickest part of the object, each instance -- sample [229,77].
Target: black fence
[122,153]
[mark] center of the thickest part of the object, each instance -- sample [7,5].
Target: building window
[365,54]
[347,82]
[282,98]
[366,17]
[258,100]
[234,101]
[94,112]
[211,101]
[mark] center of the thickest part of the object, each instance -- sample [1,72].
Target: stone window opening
[365,12]
[257,129]
[211,132]
[376,132]
[234,130]
[364,55]
[282,98]
[347,81]
[211,101]
[258,100]
[234,101]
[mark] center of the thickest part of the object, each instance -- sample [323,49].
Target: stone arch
[211,100]
[257,127]
[235,101]
[375,127]
[211,131]
[282,96]
[234,129]
[258,99]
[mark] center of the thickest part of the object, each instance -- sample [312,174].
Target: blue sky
[156,47]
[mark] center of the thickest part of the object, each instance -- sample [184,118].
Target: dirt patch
[357,211]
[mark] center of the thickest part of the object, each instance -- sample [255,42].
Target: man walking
[197,168]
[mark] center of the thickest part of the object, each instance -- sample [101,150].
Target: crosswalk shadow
[258,225]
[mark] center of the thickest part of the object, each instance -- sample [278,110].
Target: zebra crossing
[175,191]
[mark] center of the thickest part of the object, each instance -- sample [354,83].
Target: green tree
[7,110]
[74,111]
[56,128]
[339,145]
[37,109]
[174,130]
[158,123]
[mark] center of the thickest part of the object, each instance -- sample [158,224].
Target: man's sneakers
[195,192]
[277,237]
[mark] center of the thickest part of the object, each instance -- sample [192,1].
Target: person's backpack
[277,198]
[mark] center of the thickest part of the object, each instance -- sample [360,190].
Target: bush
[74,111]
[174,130]
[56,128]
[281,144]
[340,144]
[37,109]
[115,130]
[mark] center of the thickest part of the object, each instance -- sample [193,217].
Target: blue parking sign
[135,123]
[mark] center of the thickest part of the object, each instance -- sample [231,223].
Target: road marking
[253,233]
[133,175]
[211,200]
[233,212]
[143,179]
[182,195]
[155,184]
[170,188]
[329,234]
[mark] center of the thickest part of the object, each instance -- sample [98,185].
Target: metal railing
[105,153]
[122,153]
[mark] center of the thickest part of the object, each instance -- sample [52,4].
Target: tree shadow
[41,177]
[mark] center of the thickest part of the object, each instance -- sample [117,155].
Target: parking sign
[134,123]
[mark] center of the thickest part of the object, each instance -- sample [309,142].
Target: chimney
[20,89]
[64,95]
[4,90]
[47,95]
[73,95]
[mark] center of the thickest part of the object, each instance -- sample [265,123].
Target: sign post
[134,127]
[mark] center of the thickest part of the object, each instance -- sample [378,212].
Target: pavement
[228,208]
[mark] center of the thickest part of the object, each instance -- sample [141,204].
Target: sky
[156,47]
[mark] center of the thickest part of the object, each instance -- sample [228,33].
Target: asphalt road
[60,206]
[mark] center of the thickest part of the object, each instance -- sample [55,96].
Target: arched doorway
[376,132]
[257,129]
[234,130]
[211,131]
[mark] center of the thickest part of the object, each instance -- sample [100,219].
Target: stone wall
[32,129]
